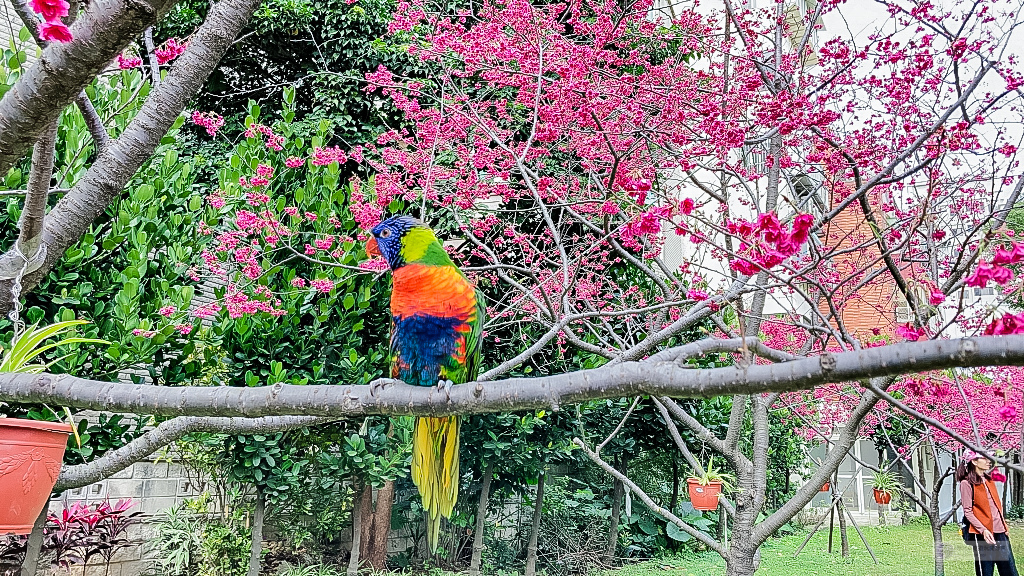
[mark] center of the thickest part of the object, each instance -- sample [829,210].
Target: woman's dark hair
[967,471]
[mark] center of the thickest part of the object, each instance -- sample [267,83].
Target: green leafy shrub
[225,550]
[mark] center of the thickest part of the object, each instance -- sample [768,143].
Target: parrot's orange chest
[440,291]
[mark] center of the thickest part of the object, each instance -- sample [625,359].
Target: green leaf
[675,533]
[144,193]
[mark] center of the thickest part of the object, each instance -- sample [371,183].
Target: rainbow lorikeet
[437,320]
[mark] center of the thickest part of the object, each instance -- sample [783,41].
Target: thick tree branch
[154,64]
[38,97]
[166,432]
[612,381]
[38,190]
[92,118]
[108,175]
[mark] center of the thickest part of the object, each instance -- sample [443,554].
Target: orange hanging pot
[882,497]
[31,453]
[704,496]
[824,487]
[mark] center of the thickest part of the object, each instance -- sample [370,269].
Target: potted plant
[885,486]
[31,451]
[706,488]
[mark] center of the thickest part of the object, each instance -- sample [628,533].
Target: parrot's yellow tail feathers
[435,469]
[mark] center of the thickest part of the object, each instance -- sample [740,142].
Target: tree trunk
[613,524]
[742,561]
[365,502]
[1017,482]
[531,549]
[375,543]
[481,518]
[34,547]
[843,536]
[675,485]
[357,530]
[257,533]
[940,557]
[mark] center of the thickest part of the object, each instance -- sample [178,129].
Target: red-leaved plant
[82,532]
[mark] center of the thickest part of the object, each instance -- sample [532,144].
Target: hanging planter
[825,487]
[31,453]
[704,496]
[884,485]
[706,488]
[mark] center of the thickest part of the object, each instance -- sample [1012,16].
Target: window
[756,158]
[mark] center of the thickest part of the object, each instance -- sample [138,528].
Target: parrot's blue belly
[423,345]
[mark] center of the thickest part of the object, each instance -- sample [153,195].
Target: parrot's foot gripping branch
[446,386]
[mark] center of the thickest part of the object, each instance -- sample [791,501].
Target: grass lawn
[901,551]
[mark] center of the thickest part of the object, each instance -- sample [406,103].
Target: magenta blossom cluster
[128,61]
[767,243]
[908,332]
[52,29]
[1007,324]
[325,156]
[209,120]
[995,269]
[274,141]
[171,49]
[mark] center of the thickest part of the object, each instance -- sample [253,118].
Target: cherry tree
[590,165]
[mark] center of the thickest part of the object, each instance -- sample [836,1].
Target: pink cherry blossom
[55,31]
[171,49]
[128,61]
[322,285]
[51,10]
[209,120]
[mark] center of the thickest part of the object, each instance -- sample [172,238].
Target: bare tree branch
[154,64]
[166,432]
[828,466]
[611,381]
[649,502]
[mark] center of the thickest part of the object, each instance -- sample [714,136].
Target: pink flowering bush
[209,120]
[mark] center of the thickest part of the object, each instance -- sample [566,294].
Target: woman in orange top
[984,511]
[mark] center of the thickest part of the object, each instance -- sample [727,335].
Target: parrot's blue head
[392,240]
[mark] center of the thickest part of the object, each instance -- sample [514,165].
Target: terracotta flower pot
[704,497]
[882,497]
[31,453]
[824,487]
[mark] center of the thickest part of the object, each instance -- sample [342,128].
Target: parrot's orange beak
[371,247]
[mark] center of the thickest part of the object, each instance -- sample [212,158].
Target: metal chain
[15,314]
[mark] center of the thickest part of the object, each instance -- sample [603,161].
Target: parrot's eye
[385,233]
